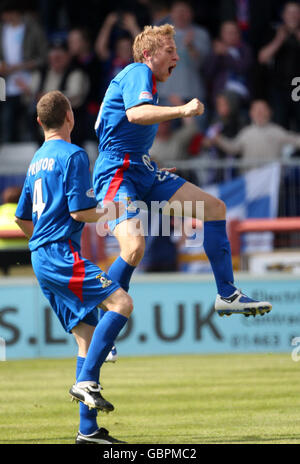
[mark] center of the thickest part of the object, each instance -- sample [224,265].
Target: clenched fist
[193,108]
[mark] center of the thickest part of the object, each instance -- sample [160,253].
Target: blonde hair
[150,39]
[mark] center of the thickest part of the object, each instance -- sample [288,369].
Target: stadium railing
[201,169]
[279,225]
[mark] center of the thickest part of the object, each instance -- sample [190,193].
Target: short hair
[52,109]
[150,39]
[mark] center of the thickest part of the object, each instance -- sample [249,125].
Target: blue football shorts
[132,178]
[73,285]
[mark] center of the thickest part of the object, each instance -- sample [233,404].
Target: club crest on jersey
[128,200]
[90,193]
[131,207]
[104,281]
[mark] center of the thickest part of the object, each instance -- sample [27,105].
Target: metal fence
[204,171]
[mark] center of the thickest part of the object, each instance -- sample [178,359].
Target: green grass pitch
[190,399]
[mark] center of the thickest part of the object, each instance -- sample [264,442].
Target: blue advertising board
[173,314]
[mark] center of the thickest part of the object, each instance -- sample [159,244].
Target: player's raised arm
[150,114]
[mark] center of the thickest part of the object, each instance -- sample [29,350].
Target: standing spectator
[114,42]
[59,16]
[23,48]
[254,17]
[59,74]
[228,65]
[160,12]
[85,58]
[139,8]
[281,55]
[193,45]
[228,121]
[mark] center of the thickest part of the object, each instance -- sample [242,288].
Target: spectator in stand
[85,58]
[281,55]
[262,140]
[160,12]
[227,67]
[59,16]
[23,48]
[228,121]
[254,17]
[121,29]
[173,144]
[193,46]
[59,74]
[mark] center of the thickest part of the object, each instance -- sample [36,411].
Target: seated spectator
[23,48]
[118,54]
[281,56]
[193,46]
[59,74]
[227,67]
[85,58]
[228,121]
[260,141]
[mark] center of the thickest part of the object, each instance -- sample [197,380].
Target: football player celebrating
[126,127]
[55,203]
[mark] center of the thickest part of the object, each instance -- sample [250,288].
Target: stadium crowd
[232,52]
[238,57]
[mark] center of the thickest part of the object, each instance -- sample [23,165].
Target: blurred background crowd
[232,52]
[239,57]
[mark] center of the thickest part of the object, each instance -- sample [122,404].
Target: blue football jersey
[57,183]
[134,85]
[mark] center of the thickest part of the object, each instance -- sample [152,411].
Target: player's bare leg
[130,235]
[230,300]
[83,334]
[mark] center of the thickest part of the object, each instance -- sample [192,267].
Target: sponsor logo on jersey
[104,281]
[147,162]
[146,96]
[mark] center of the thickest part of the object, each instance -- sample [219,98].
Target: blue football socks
[217,249]
[121,272]
[103,338]
[88,418]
